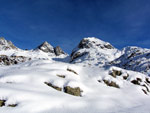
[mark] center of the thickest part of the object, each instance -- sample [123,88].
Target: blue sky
[27,23]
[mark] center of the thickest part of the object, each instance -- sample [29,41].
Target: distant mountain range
[90,51]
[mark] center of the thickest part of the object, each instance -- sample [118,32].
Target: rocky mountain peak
[92,42]
[46,47]
[58,51]
[6,45]
[93,51]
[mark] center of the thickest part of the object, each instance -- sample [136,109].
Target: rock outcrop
[58,51]
[11,60]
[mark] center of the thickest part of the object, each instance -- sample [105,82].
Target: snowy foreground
[24,85]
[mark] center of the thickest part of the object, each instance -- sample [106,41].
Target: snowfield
[47,80]
[24,85]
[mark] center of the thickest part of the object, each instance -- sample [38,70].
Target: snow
[23,84]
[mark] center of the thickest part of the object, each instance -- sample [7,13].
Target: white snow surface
[24,84]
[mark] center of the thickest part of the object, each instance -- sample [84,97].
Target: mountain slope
[134,58]
[39,86]
[93,51]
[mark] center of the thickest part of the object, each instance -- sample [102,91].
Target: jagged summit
[58,51]
[6,45]
[46,47]
[93,51]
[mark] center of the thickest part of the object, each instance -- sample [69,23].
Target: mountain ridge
[90,51]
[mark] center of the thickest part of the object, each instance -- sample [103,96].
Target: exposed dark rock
[75,55]
[146,88]
[84,44]
[144,91]
[99,81]
[137,81]
[73,91]
[115,73]
[108,46]
[2,103]
[125,77]
[68,69]
[12,105]
[46,47]
[62,76]
[55,87]
[11,60]
[58,51]
[111,83]
[147,80]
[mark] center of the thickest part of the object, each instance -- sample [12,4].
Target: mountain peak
[58,51]
[93,51]
[6,45]
[92,42]
[46,47]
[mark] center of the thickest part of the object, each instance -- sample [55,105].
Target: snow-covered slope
[42,83]
[47,86]
[134,58]
[93,51]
